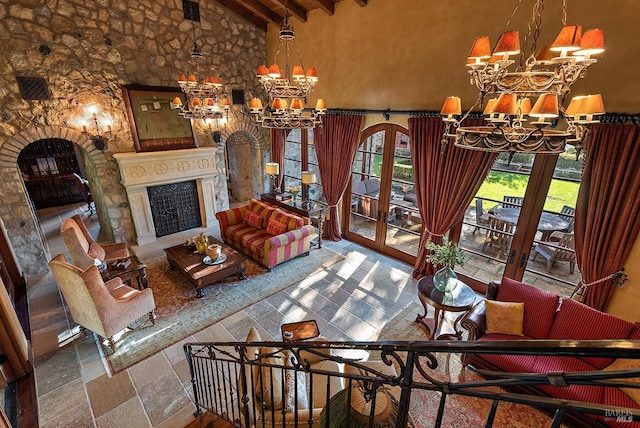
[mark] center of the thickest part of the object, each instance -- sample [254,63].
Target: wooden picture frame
[156,126]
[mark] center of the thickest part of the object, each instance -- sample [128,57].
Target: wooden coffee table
[189,262]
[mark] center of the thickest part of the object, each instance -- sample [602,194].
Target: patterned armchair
[104,308]
[83,249]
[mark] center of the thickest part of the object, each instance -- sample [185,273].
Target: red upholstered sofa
[548,317]
[259,240]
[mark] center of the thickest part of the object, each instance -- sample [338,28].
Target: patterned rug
[180,314]
[460,411]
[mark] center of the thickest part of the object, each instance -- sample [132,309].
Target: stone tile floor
[351,301]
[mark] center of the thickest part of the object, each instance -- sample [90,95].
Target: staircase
[209,420]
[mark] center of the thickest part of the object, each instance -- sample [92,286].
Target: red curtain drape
[445,181]
[606,222]
[336,143]
[278,137]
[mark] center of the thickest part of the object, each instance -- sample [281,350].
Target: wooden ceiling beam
[233,6]
[327,5]
[362,3]
[295,9]
[262,11]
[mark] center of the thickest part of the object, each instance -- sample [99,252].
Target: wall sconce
[99,139]
[216,135]
[272,169]
[308,178]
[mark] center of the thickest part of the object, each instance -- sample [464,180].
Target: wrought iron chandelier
[204,100]
[515,123]
[287,89]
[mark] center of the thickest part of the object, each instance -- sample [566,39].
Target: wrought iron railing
[242,382]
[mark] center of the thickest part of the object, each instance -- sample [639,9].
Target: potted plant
[448,255]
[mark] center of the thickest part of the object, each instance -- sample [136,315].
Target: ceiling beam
[362,3]
[233,6]
[295,9]
[327,5]
[261,10]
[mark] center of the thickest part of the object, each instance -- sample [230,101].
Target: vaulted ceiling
[262,12]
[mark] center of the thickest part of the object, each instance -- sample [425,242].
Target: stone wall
[86,50]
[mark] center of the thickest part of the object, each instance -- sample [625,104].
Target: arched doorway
[245,166]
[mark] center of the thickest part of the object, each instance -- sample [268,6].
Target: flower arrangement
[448,254]
[294,190]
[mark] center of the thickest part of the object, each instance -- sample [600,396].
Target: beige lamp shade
[545,107]
[508,44]
[296,104]
[274,71]
[451,107]
[272,168]
[506,104]
[279,104]
[586,105]
[489,107]
[255,104]
[575,105]
[321,105]
[177,102]
[568,39]
[592,43]
[308,177]
[481,49]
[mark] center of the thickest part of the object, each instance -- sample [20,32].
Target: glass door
[520,223]
[381,199]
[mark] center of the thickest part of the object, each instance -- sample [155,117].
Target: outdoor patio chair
[563,252]
[498,236]
[512,201]
[568,213]
[482,217]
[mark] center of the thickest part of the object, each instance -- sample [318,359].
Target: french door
[379,204]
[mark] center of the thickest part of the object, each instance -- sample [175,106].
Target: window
[300,155]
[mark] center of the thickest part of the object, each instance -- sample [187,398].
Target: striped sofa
[266,248]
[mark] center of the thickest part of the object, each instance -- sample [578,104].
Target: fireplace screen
[174,207]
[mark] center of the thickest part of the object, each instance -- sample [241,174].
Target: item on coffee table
[214,251]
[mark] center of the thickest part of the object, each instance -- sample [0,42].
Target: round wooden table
[460,299]
[548,223]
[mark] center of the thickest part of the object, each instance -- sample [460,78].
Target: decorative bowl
[214,251]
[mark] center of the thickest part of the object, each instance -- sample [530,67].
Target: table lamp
[272,169]
[308,178]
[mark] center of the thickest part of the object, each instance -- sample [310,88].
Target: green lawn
[499,184]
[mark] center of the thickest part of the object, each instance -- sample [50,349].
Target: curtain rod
[619,118]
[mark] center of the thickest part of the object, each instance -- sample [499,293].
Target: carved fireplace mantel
[142,170]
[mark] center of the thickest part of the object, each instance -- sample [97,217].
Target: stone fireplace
[141,171]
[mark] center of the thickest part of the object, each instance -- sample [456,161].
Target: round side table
[460,299]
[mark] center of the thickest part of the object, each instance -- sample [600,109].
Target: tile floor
[351,301]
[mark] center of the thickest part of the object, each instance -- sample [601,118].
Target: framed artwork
[155,125]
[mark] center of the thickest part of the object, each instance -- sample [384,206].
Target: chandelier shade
[287,89]
[542,77]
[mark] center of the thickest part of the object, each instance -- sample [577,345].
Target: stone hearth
[142,170]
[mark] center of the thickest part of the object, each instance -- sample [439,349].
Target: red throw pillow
[275,227]
[253,219]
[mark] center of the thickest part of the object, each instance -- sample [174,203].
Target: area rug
[460,411]
[179,313]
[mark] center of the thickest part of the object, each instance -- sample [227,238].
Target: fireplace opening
[174,207]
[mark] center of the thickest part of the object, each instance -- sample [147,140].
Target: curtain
[336,144]
[606,222]
[278,138]
[445,181]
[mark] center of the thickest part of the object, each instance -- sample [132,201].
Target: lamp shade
[524,106]
[272,168]
[263,71]
[274,71]
[226,103]
[451,107]
[255,104]
[321,105]
[592,42]
[545,107]
[308,177]
[481,49]
[508,44]
[568,39]
[489,107]
[296,104]
[311,73]
[506,104]
[177,102]
[182,79]
[545,55]
[585,105]
[298,72]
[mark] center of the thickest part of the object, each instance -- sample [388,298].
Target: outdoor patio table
[548,223]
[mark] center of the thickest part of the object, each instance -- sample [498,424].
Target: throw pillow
[627,364]
[270,391]
[96,251]
[295,384]
[253,219]
[504,317]
[275,227]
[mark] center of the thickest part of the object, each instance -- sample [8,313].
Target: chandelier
[287,89]
[515,122]
[204,100]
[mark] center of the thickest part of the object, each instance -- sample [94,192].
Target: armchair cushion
[504,317]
